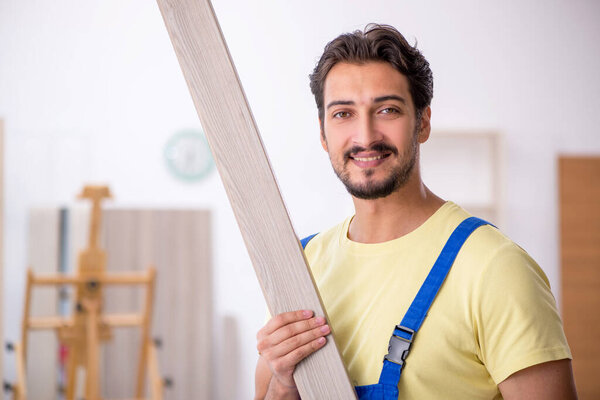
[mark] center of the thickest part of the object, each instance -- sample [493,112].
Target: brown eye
[341,114]
[389,110]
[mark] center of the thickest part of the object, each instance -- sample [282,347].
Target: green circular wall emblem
[188,156]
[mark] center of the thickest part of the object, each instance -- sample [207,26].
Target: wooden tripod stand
[84,331]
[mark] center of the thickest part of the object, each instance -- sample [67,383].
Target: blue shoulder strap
[305,241]
[404,333]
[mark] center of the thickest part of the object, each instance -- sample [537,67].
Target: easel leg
[21,386]
[71,373]
[92,391]
[142,367]
[25,322]
[156,383]
[145,333]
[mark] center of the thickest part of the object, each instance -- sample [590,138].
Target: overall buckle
[399,347]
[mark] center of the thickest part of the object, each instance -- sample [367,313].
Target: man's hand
[282,343]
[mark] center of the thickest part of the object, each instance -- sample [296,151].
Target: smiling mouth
[373,155]
[364,159]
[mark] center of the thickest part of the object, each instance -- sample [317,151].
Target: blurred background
[91,92]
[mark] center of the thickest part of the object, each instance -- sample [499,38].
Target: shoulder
[484,246]
[488,252]
[498,258]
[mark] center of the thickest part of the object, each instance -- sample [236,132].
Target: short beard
[396,179]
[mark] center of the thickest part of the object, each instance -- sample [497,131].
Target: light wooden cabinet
[177,243]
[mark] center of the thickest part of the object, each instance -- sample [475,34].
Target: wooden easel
[84,331]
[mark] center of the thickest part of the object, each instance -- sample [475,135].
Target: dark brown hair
[376,43]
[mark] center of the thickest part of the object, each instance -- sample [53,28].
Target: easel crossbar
[112,320]
[112,279]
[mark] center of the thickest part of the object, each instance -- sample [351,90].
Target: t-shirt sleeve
[515,316]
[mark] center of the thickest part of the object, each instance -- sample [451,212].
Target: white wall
[91,91]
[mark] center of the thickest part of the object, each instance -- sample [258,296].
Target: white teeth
[368,158]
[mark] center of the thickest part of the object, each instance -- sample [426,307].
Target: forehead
[364,82]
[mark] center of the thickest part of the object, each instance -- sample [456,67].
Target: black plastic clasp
[399,347]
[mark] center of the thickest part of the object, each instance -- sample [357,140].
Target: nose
[366,132]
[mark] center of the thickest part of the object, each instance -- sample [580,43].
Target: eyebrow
[340,102]
[376,100]
[390,97]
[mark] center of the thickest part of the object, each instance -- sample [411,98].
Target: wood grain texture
[250,185]
[580,267]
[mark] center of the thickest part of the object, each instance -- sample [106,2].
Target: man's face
[370,129]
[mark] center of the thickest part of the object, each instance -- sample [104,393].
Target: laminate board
[240,157]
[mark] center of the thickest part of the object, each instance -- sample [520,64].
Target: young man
[492,331]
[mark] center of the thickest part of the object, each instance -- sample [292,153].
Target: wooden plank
[580,275]
[250,185]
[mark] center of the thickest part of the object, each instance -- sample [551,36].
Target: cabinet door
[580,267]
[43,255]
[177,243]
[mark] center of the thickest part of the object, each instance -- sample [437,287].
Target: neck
[391,217]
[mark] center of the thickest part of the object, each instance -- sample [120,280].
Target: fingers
[284,319]
[283,367]
[288,331]
[291,337]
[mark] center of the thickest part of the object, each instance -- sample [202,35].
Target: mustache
[378,147]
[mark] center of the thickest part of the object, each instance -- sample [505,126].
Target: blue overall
[404,333]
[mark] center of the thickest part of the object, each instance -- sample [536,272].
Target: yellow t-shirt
[493,316]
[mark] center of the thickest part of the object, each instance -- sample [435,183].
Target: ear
[425,128]
[323,140]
